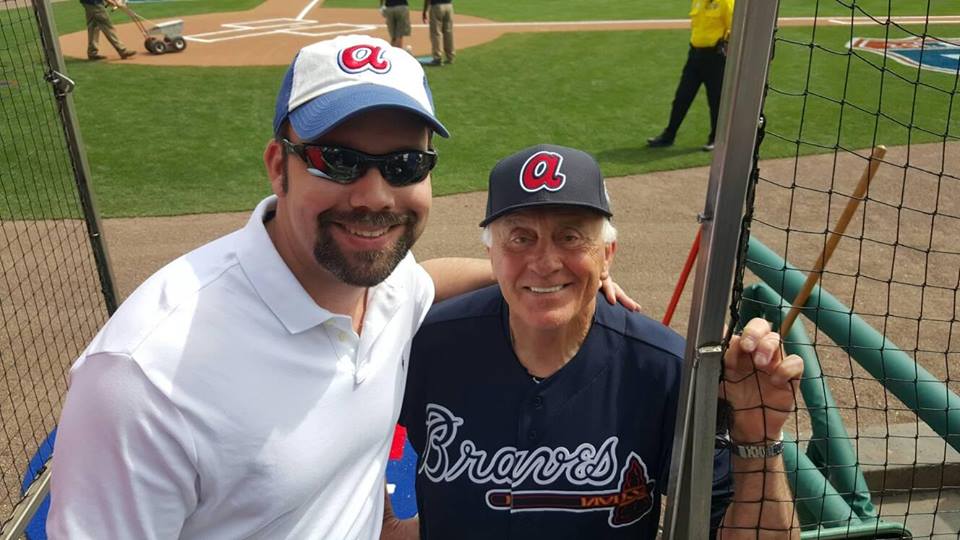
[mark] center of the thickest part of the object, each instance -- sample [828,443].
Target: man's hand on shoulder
[614,293]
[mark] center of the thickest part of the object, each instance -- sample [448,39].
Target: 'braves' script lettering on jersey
[362,58]
[444,460]
[586,465]
[542,171]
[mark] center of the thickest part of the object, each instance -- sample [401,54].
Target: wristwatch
[757,450]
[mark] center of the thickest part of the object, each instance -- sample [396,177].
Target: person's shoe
[94,57]
[127,54]
[659,141]
[708,147]
[435,62]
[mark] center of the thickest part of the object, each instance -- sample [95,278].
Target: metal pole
[691,471]
[63,86]
[24,511]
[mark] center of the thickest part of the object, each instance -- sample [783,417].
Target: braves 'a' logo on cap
[363,58]
[542,171]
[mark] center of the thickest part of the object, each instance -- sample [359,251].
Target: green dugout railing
[833,499]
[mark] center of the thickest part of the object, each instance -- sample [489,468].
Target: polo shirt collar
[272,279]
[279,289]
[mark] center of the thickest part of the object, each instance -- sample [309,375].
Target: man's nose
[372,192]
[546,258]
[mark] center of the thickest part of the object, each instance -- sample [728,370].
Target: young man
[539,412]
[250,388]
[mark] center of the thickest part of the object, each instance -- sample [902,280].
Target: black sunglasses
[345,165]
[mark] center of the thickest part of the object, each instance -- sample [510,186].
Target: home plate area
[265,27]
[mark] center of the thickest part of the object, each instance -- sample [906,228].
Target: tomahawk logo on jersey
[583,454]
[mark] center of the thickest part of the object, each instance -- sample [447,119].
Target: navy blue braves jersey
[584,453]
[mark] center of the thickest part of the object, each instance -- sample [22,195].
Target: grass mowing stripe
[594,10]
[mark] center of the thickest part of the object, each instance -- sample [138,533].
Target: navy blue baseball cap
[546,175]
[331,81]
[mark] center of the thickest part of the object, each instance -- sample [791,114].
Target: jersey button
[532,435]
[538,402]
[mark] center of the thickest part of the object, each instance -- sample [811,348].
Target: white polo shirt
[221,402]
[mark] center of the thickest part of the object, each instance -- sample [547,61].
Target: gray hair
[608,234]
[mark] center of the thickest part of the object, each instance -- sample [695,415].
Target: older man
[539,412]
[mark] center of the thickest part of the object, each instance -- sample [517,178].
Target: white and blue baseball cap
[331,81]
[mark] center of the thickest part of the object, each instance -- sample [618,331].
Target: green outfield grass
[192,143]
[175,140]
[593,10]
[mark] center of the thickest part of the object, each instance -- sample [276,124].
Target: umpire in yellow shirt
[710,22]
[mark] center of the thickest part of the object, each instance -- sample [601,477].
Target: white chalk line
[305,28]
[307,9]
[300,26]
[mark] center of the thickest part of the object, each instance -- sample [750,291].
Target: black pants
[704,66]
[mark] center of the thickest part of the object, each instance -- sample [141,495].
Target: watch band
[757,451]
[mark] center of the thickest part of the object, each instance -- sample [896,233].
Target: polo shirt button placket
[538,402]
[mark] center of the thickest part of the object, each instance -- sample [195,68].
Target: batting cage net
[54,285]
[860,230]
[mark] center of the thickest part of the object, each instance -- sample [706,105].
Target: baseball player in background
[539,412]
[710,24]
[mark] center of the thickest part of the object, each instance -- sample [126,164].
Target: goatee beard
[363,268]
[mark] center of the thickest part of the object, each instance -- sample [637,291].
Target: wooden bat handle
[875,157]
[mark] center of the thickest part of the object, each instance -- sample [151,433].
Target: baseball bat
[684,276]
[814,276]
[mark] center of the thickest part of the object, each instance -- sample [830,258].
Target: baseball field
[166,137]
[182,133]
[174,142]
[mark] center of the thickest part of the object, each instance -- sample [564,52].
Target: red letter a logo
[542,171]
[362,58]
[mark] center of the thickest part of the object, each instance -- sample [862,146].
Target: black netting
[50,292]
[878,424]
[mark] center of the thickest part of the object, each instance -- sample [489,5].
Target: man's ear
[608,251]
[273,156]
